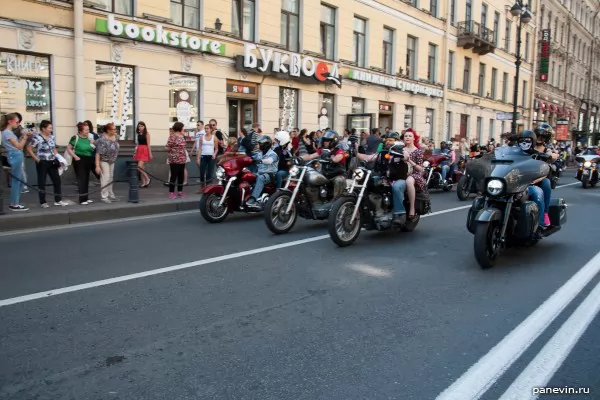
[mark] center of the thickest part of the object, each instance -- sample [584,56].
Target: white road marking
[568,184]
[483,374]
[110,281]
[543,367]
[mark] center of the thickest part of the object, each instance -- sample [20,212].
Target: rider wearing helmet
[448,164]
[544,134]
[283,145]
[527,141]
[335,169]
[267,168]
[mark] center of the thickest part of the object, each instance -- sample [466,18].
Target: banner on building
[544,56]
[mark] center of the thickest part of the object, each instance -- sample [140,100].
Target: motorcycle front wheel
[486,243]
[276,219]
[210,210]
[462,188]
[341,229]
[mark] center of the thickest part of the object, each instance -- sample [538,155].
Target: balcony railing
[471,35]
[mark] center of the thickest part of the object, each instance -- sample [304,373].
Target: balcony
[471,35]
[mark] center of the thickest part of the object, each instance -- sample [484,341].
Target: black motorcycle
[369,205]
[472,180]
[504,217]
[587,171]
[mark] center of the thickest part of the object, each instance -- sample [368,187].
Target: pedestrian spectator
[373,141]
[219,135]
[19,131]
[305,144]
[177,156]
[207,154]
[14,148]
[81,147]
[199,133]
[107,151]
[143,152]
[93,136]
[240,140]
[42,149]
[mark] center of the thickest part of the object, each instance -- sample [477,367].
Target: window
[453,12]
[243,17]
[359,42]
[290,25]
[494,83]
[409,114]
[328,31]
[115,86]
[467,75]
[388,50]
[288,108]
[186,13]
[448,126]
[562,33]
[429,123]
[468,10]
[552,76]
[411,57]
[432,63]
[117,6]
[496,27]
[433,7]
[481,81]
[451,70]
[326,111]
[505,87]
[25,84]
[555,31]
[507,35]
[358,105]
[480,130]
[527,45]
[483,15]
[183,99]
[492,128]
[524,98]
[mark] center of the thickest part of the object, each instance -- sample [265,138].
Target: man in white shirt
[199,133]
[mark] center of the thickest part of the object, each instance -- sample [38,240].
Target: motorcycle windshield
[516,168]
[591,158]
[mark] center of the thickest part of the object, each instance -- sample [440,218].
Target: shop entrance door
[242,114]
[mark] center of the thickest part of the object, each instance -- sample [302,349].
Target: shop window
[358,105]
[327,31]
[326,111]
[186,13]
[183,99]
[290,24]
[243,17]
[114,98]
[409,114]
[117,6]
[288,108]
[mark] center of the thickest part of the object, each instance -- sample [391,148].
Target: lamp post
[518,10]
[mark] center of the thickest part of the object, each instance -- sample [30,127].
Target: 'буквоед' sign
[159,35]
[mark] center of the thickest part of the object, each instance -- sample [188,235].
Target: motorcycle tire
[205,203]
[410,226]
[462,188]
[268,213]
[485,252]
[344,205]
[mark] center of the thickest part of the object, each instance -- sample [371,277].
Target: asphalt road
[396,316]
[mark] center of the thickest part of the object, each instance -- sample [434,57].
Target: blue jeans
[445,169]
[537,196]
[261,181]
[547,188]
[398,189]
[279,177]
[16,160]
[207,169]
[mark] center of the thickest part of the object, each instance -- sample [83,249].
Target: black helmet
[544,132]
[397,148]
[330,139]
[393,135]
[265,143]
[527,140]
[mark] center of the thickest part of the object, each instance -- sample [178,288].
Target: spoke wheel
[210,209]
[341,229]
[276,219]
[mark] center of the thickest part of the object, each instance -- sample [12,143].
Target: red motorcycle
[233,190]
[432,172]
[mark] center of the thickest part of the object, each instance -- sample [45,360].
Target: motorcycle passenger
[283,149]
[526,141]
[335,169]
[543,137]
[267,168]
[448,164]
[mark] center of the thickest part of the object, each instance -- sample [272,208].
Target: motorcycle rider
[543,138]
[448,164]
[267,169]
[283,149]
[527,140]
[335,169]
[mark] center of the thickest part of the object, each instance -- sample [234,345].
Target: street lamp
[518,10]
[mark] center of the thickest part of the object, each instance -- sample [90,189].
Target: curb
[13,222]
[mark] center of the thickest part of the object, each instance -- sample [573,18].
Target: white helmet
[283,137]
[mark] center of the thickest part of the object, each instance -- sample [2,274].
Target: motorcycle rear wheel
[275,211]
[341,230]
[462,188]
[210,210]
[486,245]
[410,226]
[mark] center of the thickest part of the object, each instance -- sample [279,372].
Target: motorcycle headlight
[587,164]
[220,173]
[426,164]
[495,187]
[359,174]
[294,171]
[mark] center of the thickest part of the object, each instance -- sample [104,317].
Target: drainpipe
[588,111]
[79,65]
[445,50]
[568,63]
[532,85]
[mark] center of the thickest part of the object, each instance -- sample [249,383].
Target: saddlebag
[557,212]
[528,220]
[422,203]
[477,206]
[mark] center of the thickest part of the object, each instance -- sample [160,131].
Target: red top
[335,152]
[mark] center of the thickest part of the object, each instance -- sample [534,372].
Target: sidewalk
[153,200]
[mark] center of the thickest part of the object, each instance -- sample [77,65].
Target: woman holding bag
[81,148]
[107,151]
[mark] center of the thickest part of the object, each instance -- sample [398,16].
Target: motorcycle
[233,190]
[471,182]
[504,217]
[587,173]
[368,204]
[555,169]
[307,193]
[432,172]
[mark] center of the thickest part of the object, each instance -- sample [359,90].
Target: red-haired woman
[81,148]
[143,151]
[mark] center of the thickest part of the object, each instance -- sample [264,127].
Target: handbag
[67,156]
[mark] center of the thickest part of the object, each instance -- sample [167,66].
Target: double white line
[481,376]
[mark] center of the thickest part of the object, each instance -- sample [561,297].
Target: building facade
[445,68]
[567,81]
